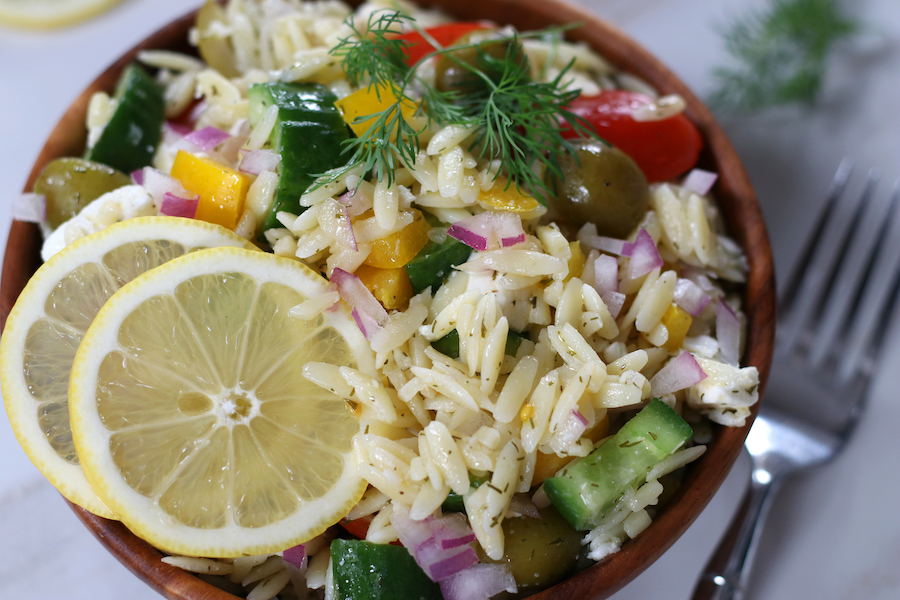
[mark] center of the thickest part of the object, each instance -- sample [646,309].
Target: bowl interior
[736,200]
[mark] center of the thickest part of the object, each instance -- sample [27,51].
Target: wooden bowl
[736,199]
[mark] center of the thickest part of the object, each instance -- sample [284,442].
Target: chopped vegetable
[728,333]
[489,230]
[662,149]
[438,544]
[584,492]
[222,190]
[643,255]
[360,109]
[390,286]
[176,206]
[503,196]
[690,296]
[401,247]
[479,582]
[434,263]
[129,140]
[677,322]
[700,181]
[369,314]
[449,344]
[417,47]
[366,571]
[681,372]
[547,465]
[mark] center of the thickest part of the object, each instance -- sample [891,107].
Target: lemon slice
[191,415]
[52,314]
[50,14]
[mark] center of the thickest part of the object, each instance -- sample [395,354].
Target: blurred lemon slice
[51,316]
[50,14]
[191,415]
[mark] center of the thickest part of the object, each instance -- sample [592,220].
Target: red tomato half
[445,35]
[662,149]
[360,527]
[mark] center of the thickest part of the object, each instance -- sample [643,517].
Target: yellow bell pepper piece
[576,261]
[397,249]
[548,465]
[370,101]
[222,190]
[500,197]
[677,322]
[391,287]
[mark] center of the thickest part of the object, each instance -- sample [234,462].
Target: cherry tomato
[360,527]
[662,149]
[445,35]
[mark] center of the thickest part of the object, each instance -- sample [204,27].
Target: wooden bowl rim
[737,201]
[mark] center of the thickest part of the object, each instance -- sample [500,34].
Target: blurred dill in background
[778,55]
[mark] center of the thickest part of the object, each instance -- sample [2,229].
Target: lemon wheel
[192,417]
[52,314]
[50,14]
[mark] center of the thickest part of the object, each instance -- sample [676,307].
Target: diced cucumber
[434,263]
[454,502]
[309,134]
[367,571]
[449,344]
[130,139]
[586,490]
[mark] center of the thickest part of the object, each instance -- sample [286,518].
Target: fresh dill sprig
[517,119]
[780,54]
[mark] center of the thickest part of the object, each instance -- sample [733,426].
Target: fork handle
[727,573]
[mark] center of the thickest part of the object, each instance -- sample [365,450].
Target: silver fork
[827,307]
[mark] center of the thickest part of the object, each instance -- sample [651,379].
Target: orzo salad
[495,314]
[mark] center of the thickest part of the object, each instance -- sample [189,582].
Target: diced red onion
[295,556]
[356,201]
[176,206]
[700,181]
[643,253]
[255,162]
[344,232]
[479,582]
[207,138]
[681,372]
[438,545]
[606,244]
[728,333]
[369,314]
[489,230]
[579,417]
[30,207]
[690,297]
[522,504]
[570,429]
[198,110]
[158,184]
[606,278]
[138,177]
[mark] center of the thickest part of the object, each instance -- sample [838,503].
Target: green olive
[215,51]
[539,552]
[602,185]
[70,184]
[487,55]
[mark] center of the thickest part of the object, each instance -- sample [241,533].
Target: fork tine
[860,285]
[811,313]
[835,189]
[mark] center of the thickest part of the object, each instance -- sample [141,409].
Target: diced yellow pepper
[576,262]
[397,249]
[391,287]
[222,190]
[500,197]
[677,322]
[548,465]
[369,101]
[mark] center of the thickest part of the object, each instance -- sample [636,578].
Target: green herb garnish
[780,54]
[516,119]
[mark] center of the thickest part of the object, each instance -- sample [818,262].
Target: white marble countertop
[833,532]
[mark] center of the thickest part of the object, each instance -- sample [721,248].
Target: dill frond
[779,55]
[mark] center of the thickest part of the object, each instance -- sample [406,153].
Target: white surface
[833,535]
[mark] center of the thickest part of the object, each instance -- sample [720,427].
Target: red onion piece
[570,430]
[681,372]
[690,297]
[344,232]
[138,177]
[356,201]
[207,138]
[178,128]
[29,207]
[489,230]
[479,582]
[158,184]
[606,278]
[369,314]
[295,556]
[255,162]
[176,206]
[606,244]
[643,253]
[700,181]
[522,504]
[438,545]
[728,333]
[198,110]
[579,417]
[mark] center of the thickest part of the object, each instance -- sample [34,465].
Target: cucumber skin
[366,571]
[435,263]
[584,491]
[309,134]
[131,137]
